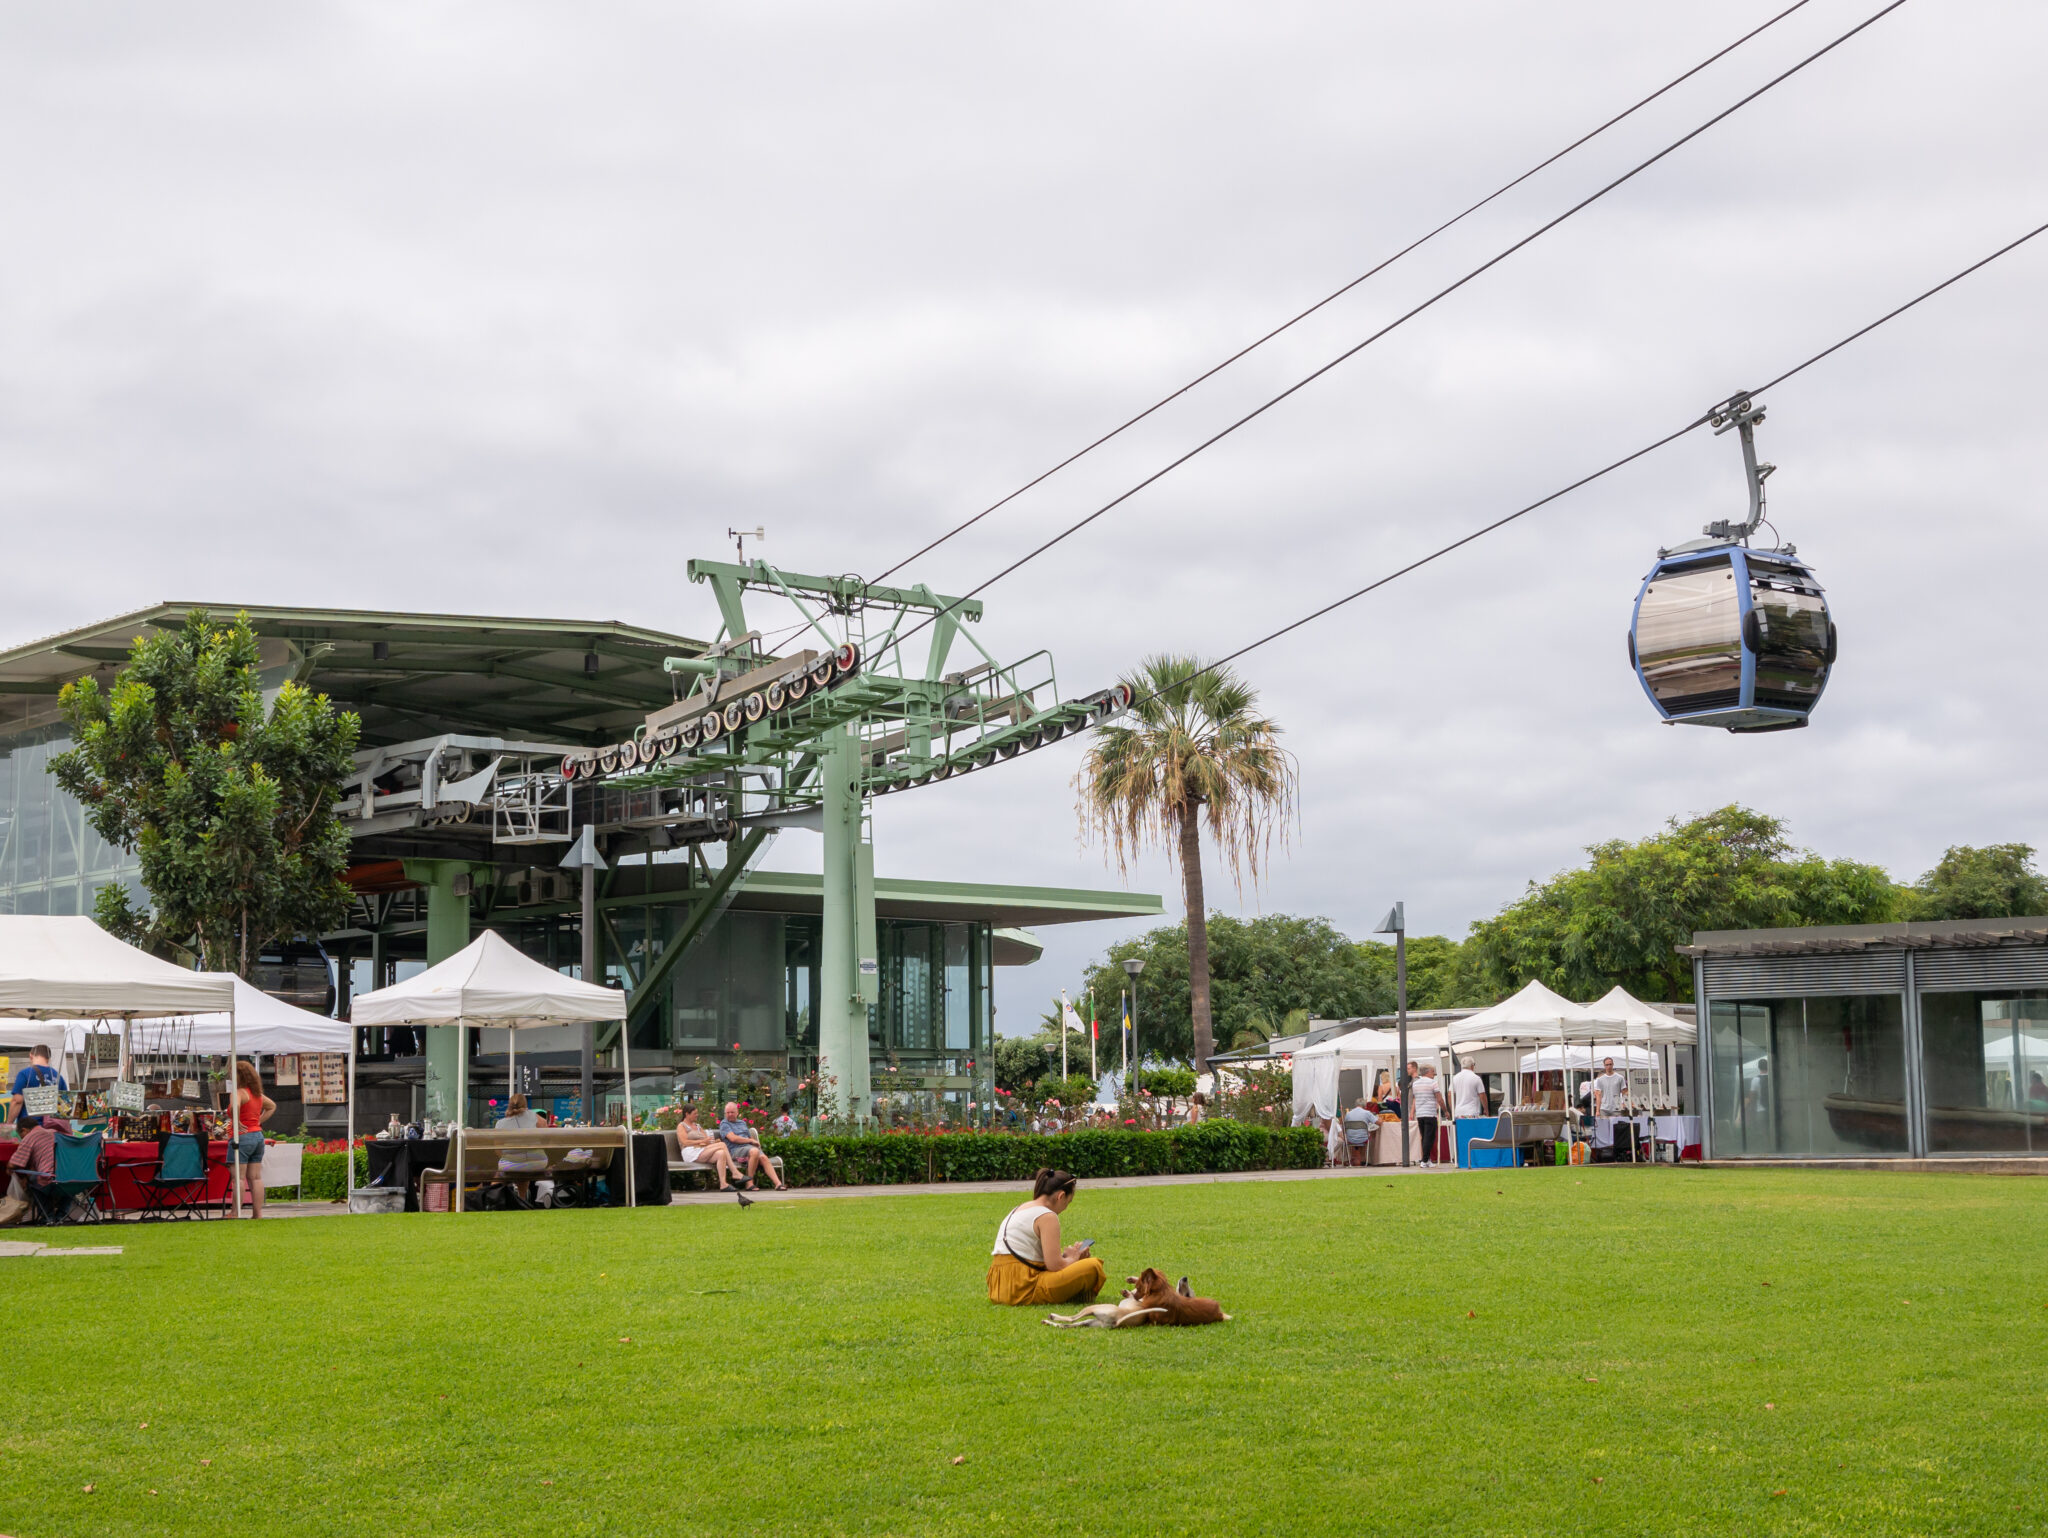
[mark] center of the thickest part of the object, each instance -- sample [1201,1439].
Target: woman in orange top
[252,1110]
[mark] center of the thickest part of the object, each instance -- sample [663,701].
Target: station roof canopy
[407,675]
[1847,939]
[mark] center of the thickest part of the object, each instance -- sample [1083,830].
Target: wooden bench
[703,1174]
[481,1149]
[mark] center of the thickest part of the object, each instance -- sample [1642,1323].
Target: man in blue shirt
[38,1073]
[744,1146]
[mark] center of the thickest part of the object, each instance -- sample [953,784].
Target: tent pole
[348,1145]
[626,1062]
[234,1120]
[461,1107]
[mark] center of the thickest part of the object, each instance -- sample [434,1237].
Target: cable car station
[489,745]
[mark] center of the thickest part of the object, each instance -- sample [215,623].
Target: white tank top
[1019,1235]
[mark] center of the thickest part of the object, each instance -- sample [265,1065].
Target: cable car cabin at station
[1732,637]
[1727,636]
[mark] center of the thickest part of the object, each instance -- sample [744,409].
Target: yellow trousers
[1011,1281]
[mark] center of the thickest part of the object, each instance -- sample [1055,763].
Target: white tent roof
[488,982]
[1643,1022]
[1537,1014]
[262,1024]
[58,968]
[1545,1059]
[1364,1044]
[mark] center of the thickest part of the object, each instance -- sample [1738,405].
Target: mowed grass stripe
[1492,1352]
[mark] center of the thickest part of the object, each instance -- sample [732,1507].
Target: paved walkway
[939,1188]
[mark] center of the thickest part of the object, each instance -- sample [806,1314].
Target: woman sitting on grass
[1018,1271]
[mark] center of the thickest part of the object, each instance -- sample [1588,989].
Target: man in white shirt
[1468,1093]
[1428,1097]
[1610,1091]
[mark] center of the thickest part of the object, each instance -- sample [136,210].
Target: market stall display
[487,983]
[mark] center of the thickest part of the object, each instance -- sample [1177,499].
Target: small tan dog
[1148,1299]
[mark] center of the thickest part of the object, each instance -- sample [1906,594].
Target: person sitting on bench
[696,1146]
[744,1147]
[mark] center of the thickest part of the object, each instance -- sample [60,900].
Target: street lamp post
[1131,969]
[1396,924]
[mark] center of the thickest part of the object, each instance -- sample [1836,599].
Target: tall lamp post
[1396,924]
[1131,969]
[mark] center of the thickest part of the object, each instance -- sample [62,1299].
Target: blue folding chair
[72,1184]
[179,1185]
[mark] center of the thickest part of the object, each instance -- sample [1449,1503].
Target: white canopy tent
[490,983]
[1539,1016]
[67,967]
[1646,1025]
[70,968]
[1316,1068]
[262,1024]
[1585,1059]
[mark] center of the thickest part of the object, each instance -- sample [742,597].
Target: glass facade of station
[1938,1048]
[51,861]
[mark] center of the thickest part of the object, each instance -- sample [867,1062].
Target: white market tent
[1651,1026]
[489,983]
[1539,1016]
[70,968]
[262,1024]
[1643,1022]
[1316,1068]
[67,967]
[1585,1059]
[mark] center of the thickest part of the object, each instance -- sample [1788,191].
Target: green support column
[447,933]
[843,984]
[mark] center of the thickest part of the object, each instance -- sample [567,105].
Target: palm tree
[1192,750]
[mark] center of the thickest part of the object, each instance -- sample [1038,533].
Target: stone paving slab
[23,1249]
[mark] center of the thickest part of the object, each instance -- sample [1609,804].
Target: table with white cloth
[1681,1130]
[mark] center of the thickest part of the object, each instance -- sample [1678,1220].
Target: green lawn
[1540,1351]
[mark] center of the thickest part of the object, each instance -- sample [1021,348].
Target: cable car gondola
[1730,636]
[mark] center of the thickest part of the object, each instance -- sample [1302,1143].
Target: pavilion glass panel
[1984,1068]
[1809,1076]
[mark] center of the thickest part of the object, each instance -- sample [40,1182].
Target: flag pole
[1093,1032]
[1063,1036]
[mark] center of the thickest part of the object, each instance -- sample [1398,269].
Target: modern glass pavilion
[720,962]
[1874,1041]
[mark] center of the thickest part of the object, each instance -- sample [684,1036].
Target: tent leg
[348,1143]
[234,1120]
[626,1061]
[461,1109]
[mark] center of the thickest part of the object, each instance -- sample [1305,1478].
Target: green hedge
[910,1159]
[321,1176]
[905,1158]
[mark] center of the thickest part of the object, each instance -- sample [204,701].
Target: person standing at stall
[1427,1096]
[38,1075]
[252,1109]
[1468,1093]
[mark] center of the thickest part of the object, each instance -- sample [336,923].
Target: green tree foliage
[1193,751]
[1996,882]
[1260,970]
[1621,919]
[1440,972]
[230,809]
[1021,1061]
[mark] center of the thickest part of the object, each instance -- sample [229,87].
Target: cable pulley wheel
[570,768]
[846,661]
[668,745]
[798,686]
[733,715]
[608,760]
[776,695]
[820,674]
[686,734]
[754,706]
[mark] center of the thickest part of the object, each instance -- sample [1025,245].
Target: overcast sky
[514,308]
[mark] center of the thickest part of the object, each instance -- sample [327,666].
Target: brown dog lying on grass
[1148,1299]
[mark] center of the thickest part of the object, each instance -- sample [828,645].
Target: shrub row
[1092,1153]
[907,1158]
[321,1176]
